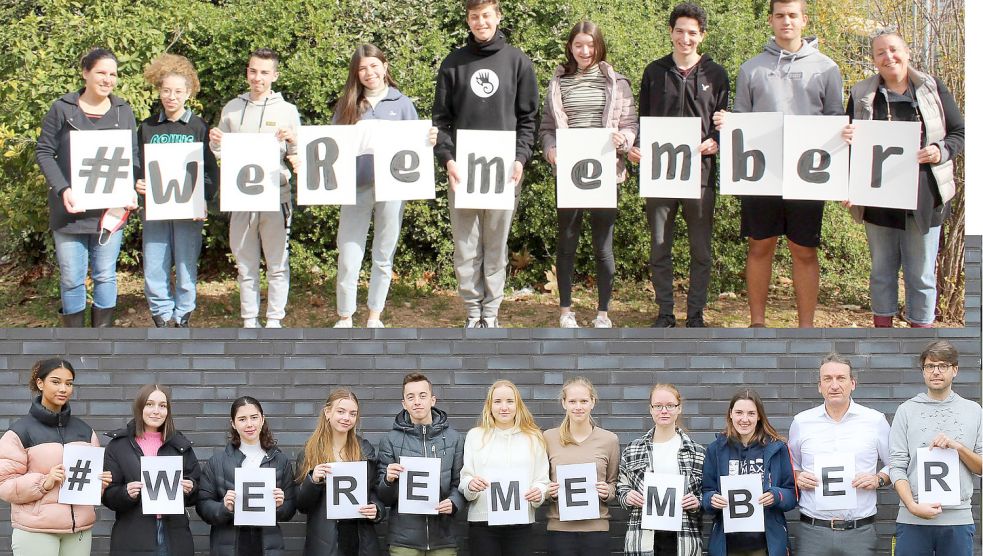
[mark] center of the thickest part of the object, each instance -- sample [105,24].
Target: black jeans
[574,543]
[602,236]
[666,543]
[499,540]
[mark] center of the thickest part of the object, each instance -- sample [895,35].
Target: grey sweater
[803,83]
[916,423]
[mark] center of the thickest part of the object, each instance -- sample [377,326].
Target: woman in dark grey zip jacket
[252,445]
[78,242]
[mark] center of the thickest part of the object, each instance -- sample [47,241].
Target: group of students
[506,437]
[490,85]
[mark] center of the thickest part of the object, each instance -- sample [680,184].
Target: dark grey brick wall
[292,370]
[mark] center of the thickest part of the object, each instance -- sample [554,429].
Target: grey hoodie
[916,423]
[242,115]
[803,83]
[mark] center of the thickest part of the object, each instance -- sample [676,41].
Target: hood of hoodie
[49,418]
[73,98]
[404,424]
[669,63]
[495,44]
[924,398]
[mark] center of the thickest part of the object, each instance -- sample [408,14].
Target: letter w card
[83,470]
[938,476]
[403,160]
[884,164]
[744,513]
[671,165]
[326,175]
[577,498]
[161,492]
[347,488]
[586,169]
[175,178]
[419,485]
[835,472]
[817,165]
[484,163]
[663,509]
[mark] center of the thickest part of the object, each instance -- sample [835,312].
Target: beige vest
[930,106]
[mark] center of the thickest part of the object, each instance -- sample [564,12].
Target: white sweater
[503,449]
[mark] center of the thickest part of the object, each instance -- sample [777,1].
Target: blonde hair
[318,448]
[167,65]
[675,392]
[523,418]
[566,438]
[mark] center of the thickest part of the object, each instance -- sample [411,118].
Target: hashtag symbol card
[102,168]
[83,475]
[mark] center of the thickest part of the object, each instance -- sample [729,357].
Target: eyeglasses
[936,367]
[660,407]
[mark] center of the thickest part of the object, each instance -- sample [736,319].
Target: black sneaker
[696,321]
[183,322]
[665,320]
[159,321]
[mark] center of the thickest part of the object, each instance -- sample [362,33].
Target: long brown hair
[141,401]
[266,440]
[523,418]
[566,437]
[763,432]
[600,51]
[318,448]
[352,104]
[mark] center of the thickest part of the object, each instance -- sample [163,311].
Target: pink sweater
[150,442]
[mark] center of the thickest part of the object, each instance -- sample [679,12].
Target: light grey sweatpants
[481,256]
[252,234]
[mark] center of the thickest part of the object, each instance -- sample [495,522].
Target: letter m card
[484,163]
[175,178]
[671,165]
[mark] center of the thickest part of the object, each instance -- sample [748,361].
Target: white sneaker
[344,323]
[568,320]
[273,323]
[250,323]
[602,322]
[472,322]
[374,323]
[490,322]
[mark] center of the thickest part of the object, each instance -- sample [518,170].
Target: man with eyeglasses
[939,418]
[421,430]
[839,426]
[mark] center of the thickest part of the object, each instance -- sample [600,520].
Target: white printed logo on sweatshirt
[484,83]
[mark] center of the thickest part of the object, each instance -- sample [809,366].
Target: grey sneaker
[602,322]
[489,322]
[568,320]
[472,322]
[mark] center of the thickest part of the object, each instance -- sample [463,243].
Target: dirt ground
[29,298]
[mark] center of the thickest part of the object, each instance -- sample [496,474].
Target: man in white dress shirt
[839,426]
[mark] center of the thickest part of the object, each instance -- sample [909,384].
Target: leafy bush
[44,38]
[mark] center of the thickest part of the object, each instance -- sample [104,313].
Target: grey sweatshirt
[803,83]
[916,423]
[242,115]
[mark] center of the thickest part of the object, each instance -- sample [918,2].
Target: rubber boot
[102,318]
[74,320]
[883,322]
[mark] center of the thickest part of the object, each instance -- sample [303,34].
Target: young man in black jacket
[421,430]
[684,84]
[490,85]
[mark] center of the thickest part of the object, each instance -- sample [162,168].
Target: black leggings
[602,236]
[499,540]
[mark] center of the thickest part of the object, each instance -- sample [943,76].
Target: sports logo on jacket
[484,83]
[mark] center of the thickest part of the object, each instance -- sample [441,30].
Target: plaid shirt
[635,461]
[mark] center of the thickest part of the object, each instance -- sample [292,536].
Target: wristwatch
[880,481]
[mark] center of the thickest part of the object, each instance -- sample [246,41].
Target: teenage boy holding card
[421,430]
[488,85]
[261,110]
[939,418]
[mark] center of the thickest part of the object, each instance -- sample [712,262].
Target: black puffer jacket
[219,478]
[133,532]
[322,533]
[437,440]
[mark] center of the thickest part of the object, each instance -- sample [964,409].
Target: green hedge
[44,38]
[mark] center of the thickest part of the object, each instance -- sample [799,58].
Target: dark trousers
[162,549]
[250,541]
[573,543]
[499,540]
[602,236]
[666,543]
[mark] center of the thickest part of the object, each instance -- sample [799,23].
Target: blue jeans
[914,253]
[162,548]
[940,540]
[75,253]
[353,228]
[167,244]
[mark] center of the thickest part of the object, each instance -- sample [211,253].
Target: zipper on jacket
[426,518]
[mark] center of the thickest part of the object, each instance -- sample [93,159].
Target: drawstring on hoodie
[781,54]
[262,113]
